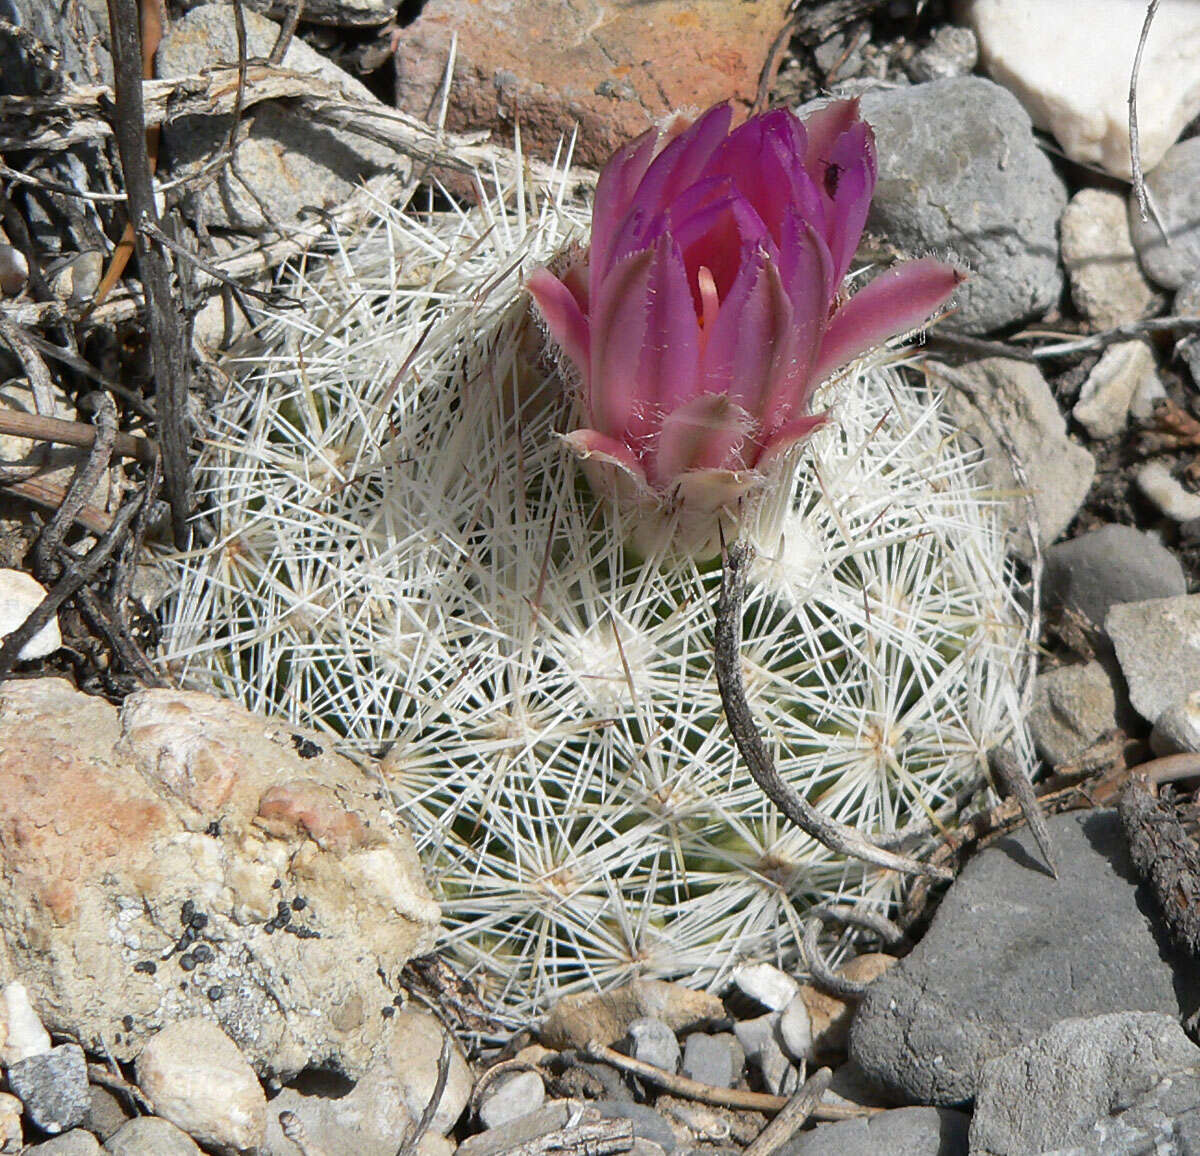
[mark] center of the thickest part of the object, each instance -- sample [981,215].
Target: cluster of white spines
[406,557]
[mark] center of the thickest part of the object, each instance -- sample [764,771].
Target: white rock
[1069,61]
[1167,493]
[1124,378]
[19,595]
[195,1077]
[21,1032]
[767,984]
[796,1030]
[1107,283]
[10,1123]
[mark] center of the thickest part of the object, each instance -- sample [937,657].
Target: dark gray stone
[712,1059]
[53,1087]
[961,176]
[900,1132]
[1111,1085]
[647,1123]
[1174,188]
[1011,952]
[1091,574]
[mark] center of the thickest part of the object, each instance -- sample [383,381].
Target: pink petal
[806,273]
[609,466]
[682,162]
[847,186]
[614,194]
[787,436]
[670,359]
[822,129]
[700,434]
[620,314]
[565,320]
[898,301]
[751,331]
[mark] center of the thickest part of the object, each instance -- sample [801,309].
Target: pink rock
[611,68]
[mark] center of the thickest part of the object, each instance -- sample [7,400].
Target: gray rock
[647,1123]
[953,51]
[1109,1085]
[1072,707]
[961,175]
[900,1132]
[1177,729]
[512,1096]
[760,1040]
[53,1086]
[76,1142]
[1013,396]
[151,1136]
[290,162]
[1173,186]
[1091,574]
[107,1113]
[713,1059]
[654,1043]
[1125,380]
[550,1118]
[1107,284]
[1158,646]
[335,13]
[1187,304]
[1011,952]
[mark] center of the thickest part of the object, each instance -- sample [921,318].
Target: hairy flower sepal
[706,310]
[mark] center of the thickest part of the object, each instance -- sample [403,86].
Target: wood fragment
[1135,151]
[1013,781]
[164,325]
[408,1146]
[727,641]
[1166,857]
[792,1116]
[73,433]
[707,1093]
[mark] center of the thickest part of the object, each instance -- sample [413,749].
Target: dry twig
[727,641]
[1135,152]
[707,1093]
[793,1115]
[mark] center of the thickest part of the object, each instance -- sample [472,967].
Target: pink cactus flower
[707,309]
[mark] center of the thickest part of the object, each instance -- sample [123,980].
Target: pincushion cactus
[407,556]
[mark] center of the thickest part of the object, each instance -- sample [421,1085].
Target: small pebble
[1155,481]
[151,1136]
[53,1086]
[14,270]
[195,1076]
[715,1060]
[796,1030]
[647,1123]
[10,1124]
[510,1097]
[1124,380]
[20,594]
[654,1043]
[772,988]
[76,1142]
[547,1119]
[21,1031]
[953,51]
